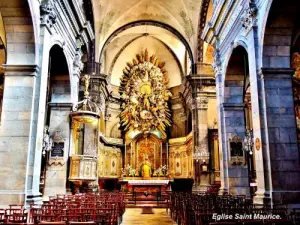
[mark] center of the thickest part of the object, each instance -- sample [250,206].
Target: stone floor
[134,217]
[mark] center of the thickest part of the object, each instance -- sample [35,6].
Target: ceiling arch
[136,38]
[154,46]
[181,15]
[149,23]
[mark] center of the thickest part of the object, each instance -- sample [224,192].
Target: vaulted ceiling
[172,33]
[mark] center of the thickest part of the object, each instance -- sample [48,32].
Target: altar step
[140,204]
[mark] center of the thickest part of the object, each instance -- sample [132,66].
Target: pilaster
[16,132]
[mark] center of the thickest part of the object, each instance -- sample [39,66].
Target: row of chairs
[202,208]
[102,209]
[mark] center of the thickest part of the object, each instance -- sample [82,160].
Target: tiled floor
[134,217]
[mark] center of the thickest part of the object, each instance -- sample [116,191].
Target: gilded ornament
[145,94]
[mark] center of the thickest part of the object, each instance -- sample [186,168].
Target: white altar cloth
[147,182]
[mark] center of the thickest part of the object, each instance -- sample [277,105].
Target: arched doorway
[58,107]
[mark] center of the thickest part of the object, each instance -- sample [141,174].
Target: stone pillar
[15,132]
[223,156]
[202,106]
[281,133]
[260,153]
[48,18]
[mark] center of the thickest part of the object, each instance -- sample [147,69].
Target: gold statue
[146,168]
[86,80]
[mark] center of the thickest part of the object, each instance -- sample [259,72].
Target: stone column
[48,19]
[281,133]
[261,153]
[223,156]
[202,148]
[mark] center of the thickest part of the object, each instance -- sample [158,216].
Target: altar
[146,192]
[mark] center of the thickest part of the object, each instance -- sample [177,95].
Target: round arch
[149,23]
[136,38]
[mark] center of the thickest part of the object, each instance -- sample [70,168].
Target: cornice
[215,26]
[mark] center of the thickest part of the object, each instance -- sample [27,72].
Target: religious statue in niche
[145,95]
[47,141]
[146,168]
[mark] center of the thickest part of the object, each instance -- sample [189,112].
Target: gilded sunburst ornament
[145,95]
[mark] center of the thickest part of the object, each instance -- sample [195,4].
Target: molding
[112,141]
[12,192]
[233,106]
[20,70]
[202,21]
[61,105]
[276,73]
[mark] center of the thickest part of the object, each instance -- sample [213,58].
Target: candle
[167,147]
[161,153]
[154,158]
[125,156]
[131,154]
[137,152]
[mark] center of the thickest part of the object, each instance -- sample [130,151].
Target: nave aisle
[134,217]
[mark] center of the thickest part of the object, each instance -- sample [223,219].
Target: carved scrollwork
[248,17]
[78,65]
[217,65]
[202,102]
[48,14]
[56,161]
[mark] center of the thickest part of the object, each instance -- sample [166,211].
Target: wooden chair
[45,218]
[2,216]
[68,218]
[17,218]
